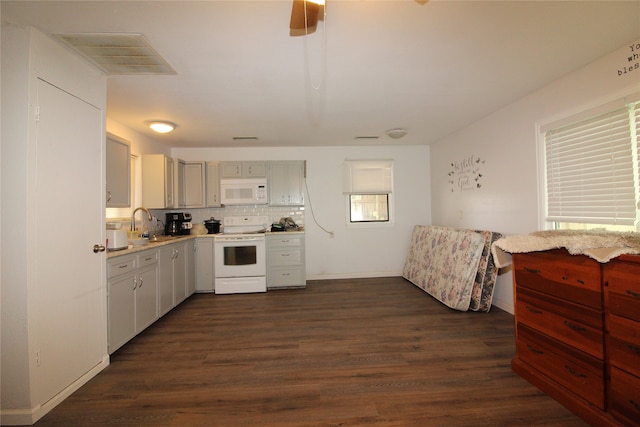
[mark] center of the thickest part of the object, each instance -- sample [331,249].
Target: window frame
[573,117]
[385,189]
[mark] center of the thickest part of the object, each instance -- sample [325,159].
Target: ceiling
[371,66]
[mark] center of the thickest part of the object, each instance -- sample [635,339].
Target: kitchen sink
[160,239]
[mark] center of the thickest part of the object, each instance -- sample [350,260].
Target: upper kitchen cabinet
[118,172]
[286,183]
[157,181]
[191,177]
[243,170]
[213,185]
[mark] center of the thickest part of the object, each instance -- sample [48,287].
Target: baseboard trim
[359,275]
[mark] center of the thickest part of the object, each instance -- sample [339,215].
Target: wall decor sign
[466,174]
[632,60]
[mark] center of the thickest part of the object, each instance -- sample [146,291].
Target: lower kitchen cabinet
[204,265]
[132,289]
[177,274]
[286,266]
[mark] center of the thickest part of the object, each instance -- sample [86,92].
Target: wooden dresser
[578,332]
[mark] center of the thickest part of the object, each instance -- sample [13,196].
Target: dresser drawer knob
[574,326]
[574,372]
[534,350]
[533,310]
[633,294]
[634,348]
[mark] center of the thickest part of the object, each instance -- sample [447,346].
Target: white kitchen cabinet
[286,183]
[213,184]
[243,169]
[173,276]
[157,181]
[190,253]
[286,267]
[180,183]
[132,289]
[166,255]
[194,184]
[147,289]
[204,265]
[118,172]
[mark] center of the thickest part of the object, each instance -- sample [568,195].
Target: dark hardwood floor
[338,353]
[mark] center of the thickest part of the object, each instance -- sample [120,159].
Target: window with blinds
[368,186]
[591,171]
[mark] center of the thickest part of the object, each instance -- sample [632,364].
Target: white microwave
[251,191]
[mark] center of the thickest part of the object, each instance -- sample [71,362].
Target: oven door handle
[240,239]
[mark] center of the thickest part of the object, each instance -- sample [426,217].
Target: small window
[368,185]
[368,208]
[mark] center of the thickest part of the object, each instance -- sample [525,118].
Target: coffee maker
[178,224]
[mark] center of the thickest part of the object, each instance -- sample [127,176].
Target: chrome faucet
[133,219]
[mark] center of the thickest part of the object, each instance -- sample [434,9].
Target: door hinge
[37,113]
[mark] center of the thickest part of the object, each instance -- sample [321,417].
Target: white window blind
[368,176]
[591,174]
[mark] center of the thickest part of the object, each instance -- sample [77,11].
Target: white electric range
[239,255]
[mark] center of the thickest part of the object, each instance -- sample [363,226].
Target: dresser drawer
[624,396]
[575,370]
[120,265]
[623,344]
[575,325]
[622,289]
[575,278]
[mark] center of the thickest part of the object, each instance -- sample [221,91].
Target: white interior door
[67,220]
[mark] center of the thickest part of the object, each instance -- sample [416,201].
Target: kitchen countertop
[152,245]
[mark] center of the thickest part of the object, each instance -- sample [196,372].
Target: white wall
[369,252]
[506,141]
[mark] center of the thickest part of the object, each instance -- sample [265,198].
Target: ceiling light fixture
[396,133]
[161,127]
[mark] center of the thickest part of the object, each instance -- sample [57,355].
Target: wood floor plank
[357,352]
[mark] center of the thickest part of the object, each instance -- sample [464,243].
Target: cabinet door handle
[575,327]
[140,284]
[533,310]
[532,270]
[108,196]
[135,284]
[633,294]
[574,372]
[534,350]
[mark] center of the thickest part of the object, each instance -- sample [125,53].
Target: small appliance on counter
[178,224]
[213,225]
[116,237]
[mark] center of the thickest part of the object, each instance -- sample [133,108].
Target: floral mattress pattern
[454,266]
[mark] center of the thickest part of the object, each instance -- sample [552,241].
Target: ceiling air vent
[118,54]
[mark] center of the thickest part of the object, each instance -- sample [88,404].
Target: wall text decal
[632,60]
[466,174]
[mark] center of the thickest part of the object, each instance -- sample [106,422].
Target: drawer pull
[533,310]
[124,266]
[636,404]
[149,258]
[633,294]
[634,348]
[574,326]
[574,372]
[534,350]
[580,281]
[532,270]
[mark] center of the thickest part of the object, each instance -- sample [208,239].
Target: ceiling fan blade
[298,20]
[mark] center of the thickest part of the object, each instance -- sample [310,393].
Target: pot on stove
[213,225]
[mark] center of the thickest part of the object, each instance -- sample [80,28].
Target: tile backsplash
[199,215]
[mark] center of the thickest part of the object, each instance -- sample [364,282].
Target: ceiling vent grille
[118,54]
